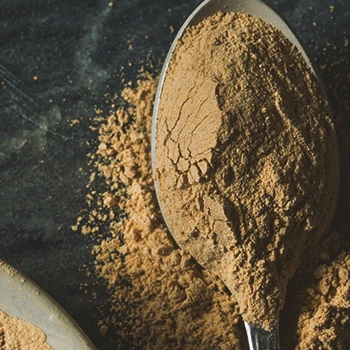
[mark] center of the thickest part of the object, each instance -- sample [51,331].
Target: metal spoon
[258,338]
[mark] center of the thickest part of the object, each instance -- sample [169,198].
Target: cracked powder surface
[246,158]
[162,299]
[144,313]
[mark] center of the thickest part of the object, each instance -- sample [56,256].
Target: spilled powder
[324,320]
[16,334]
[246,158]
[161,298]
[161,301]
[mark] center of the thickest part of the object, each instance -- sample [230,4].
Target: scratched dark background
[75,47]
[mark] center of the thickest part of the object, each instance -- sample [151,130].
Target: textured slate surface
[74,47]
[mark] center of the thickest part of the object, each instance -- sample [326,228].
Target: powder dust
[246,158]
[17,334]
[324,321]
[162,299]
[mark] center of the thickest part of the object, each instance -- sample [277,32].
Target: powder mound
[246,158]
[144,296]
[20,335]
[324,320]
[161,298]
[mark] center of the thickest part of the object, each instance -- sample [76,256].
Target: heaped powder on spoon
[140,279]
[246,157]
[318,313]
[123,216]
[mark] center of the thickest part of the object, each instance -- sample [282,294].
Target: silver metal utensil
[23,299]
[258,338]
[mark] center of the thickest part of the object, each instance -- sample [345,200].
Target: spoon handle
[260,339]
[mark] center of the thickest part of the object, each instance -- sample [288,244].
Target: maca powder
[18,334]
[160,297]
[246,158]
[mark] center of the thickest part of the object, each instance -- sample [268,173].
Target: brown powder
[148,318]
[20,335]
[161,298]
[324,321]
[138,278]
[246,158]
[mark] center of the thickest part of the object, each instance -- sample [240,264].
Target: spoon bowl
[258,338]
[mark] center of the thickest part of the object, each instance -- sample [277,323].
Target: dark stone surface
[74,47]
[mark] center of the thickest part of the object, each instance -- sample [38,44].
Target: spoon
[258,338]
